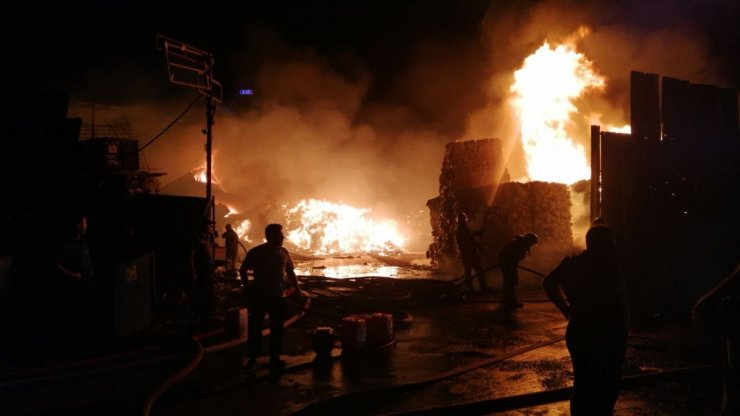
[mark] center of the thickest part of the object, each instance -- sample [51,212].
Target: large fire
[544,90]
[323,227]
[242,228]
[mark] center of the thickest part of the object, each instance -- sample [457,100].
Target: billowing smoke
[658,37]
[347,126]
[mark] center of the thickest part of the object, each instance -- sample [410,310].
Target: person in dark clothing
[72,288]
[231,241]
[720,308]
[273,273]
[509,257]
[468,248]
[203,284]
[73,258]
[590,292]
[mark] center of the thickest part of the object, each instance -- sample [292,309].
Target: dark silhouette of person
[273,274]
[74,297]
[203,282]
[231,241]
[720,309]
[469,256]
[590,292]
[509,257]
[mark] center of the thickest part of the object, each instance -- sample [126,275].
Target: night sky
[67,43]
[354,100]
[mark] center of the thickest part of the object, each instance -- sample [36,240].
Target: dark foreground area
[453,354]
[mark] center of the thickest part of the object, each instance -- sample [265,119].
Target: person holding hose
[513,252]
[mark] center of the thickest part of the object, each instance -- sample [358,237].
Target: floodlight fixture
[193,67]
[190,66]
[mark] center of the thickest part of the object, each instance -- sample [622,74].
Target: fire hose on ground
[349,400]
[484,406]
[461,280]
[326,406]
[501,404]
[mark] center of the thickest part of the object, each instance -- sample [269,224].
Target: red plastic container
[353,333]
[379,329]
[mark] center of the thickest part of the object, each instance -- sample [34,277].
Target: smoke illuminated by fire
[544,90]
[323,227]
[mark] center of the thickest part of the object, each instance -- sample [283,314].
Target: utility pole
[192,67]
[210,112]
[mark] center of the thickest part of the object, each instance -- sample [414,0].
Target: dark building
[670,190]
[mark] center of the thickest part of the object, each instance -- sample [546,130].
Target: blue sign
[246,92]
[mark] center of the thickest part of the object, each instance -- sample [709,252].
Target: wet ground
[447,333]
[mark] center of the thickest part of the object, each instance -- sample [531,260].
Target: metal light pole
[192,67]
[210,112]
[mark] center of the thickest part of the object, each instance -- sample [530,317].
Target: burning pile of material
[323,227]
[544,95]
[467,182]
[540,207]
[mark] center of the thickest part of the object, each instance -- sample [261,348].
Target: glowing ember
[544,90]
[323,227]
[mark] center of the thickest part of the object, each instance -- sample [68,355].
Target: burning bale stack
[471,170]
[500,209]
[539,207]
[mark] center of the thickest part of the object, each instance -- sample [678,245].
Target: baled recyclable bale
[549,205]
[539,207]
[470,171]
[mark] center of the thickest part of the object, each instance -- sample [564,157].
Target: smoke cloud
[330,124]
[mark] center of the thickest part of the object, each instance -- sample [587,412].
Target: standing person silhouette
[74,296]
[273,272]
[511,254]
[468,248]
[589,291]
[231,241]
[203,266]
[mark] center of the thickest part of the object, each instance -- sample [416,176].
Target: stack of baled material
[470,172]
[539,207]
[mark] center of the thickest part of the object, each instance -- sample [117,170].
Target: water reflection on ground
[412,265]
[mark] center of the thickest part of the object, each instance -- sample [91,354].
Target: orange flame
[232,211]
[199,174]
[327,228]
[544,90]
[242,229]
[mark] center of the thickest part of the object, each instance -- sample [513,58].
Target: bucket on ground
[322,341]
[353,333]
[379,329]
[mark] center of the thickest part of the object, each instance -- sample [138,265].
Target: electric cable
[168,126]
